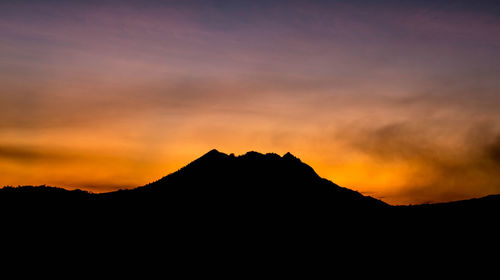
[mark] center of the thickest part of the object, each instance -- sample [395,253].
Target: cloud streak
[442,167]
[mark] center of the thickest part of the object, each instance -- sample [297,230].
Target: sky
[395,99]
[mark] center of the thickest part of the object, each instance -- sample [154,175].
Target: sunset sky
[399,100]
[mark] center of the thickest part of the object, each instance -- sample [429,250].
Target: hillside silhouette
[251,188]
[253,206]
[250,183]
[226,186]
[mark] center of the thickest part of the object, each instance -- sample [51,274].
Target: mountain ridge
[253,169]
[215,163]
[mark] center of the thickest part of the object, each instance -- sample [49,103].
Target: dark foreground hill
[243,208]
[226,191]
[249,184]
[225,185]
[219,186]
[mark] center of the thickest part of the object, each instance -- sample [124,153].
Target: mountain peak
[289,156]
[213,153]
[211,156]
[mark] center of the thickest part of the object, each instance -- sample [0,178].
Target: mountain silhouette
[254,187]
[251,182]
[246,207]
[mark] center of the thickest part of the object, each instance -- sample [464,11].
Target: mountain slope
[254,178]
[221,184]
[254,202]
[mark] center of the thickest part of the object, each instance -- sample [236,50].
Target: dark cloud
[31,154]
[27,154]
[441,171]
[493,150]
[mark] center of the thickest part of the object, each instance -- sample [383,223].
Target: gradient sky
[396,99]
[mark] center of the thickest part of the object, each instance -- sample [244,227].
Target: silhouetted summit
[216,184]
[252,185]
[254,182]
[212,155]
[253,200]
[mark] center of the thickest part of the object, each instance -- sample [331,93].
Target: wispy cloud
[444,166]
